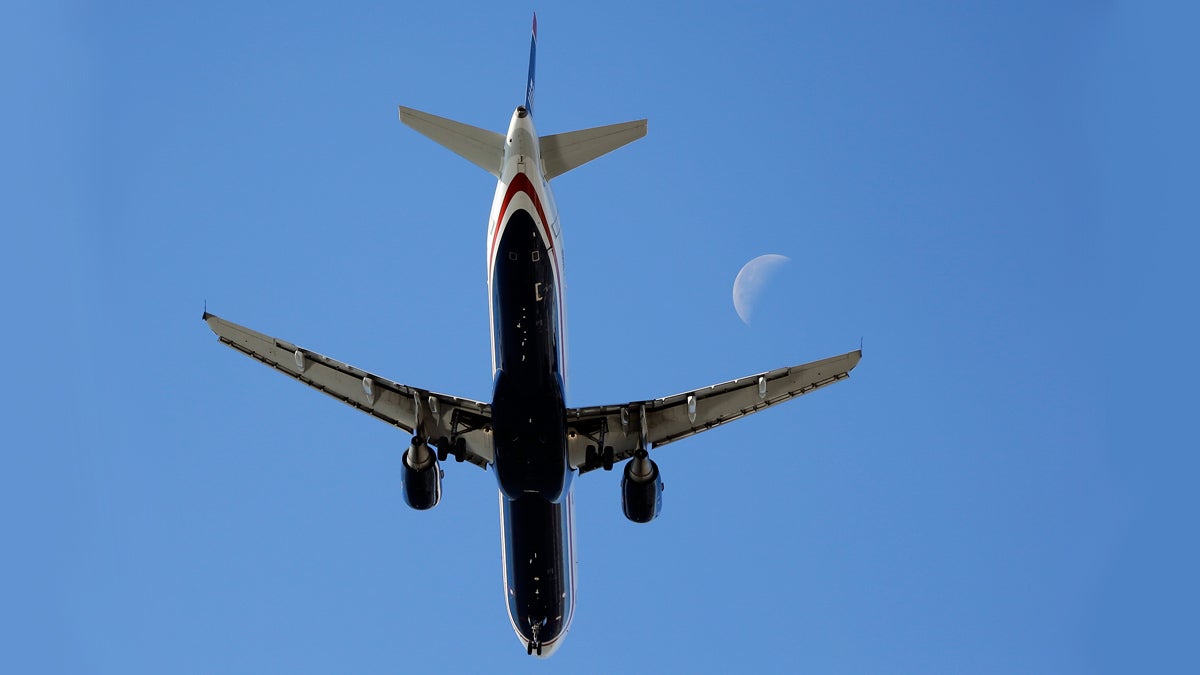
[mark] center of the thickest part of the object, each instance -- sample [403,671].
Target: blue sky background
[999,200]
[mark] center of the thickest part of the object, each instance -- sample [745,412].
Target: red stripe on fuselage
[520,183]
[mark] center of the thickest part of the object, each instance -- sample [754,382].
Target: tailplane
[481,147]
[563,152]
[560,152]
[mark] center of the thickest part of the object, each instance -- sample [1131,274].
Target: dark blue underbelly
[538,567]
[528,410]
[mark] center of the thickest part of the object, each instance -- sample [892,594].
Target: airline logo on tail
[532,61]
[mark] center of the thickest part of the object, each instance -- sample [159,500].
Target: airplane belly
[528,410]
[538,569]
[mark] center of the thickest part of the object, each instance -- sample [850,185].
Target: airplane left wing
[647,424]
[429,414]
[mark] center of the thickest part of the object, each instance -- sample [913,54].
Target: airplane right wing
[648,424]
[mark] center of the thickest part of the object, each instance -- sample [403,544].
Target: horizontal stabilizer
[481,147]
[563,152]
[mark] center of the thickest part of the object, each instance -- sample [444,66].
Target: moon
[751,280]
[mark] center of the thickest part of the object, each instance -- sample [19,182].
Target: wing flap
[391,402]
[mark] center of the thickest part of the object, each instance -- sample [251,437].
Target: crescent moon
[751,280]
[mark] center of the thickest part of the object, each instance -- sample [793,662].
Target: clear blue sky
[1000,201]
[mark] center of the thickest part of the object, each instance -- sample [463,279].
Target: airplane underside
[529,438]
[538,565]
[528,410]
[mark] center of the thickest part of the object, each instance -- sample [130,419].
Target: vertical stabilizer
[532,69]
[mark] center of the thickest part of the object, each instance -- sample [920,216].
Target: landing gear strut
[535,643]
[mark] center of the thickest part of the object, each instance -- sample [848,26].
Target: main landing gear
[597,458]
[457,447]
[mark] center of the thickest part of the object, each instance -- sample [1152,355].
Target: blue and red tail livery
[532,69]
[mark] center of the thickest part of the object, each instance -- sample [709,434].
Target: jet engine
[422,477]
[641,489]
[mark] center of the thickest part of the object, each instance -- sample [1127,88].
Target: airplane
[527,435]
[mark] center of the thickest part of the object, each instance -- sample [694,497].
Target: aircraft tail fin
[563,152]
[532,69]
[481,147]
[560,152]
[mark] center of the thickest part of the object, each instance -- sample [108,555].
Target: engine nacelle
[641,489]
[422,477]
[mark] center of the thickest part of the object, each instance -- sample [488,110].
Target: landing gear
[457,447]
[597,455]
[535,643]
[598,459]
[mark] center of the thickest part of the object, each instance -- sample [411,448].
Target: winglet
[532,63]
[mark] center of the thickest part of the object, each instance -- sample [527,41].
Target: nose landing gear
[535,644]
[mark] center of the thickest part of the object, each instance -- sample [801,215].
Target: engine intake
[422,477]
[641,489]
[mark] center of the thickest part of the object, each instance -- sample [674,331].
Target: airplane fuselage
[529,427]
